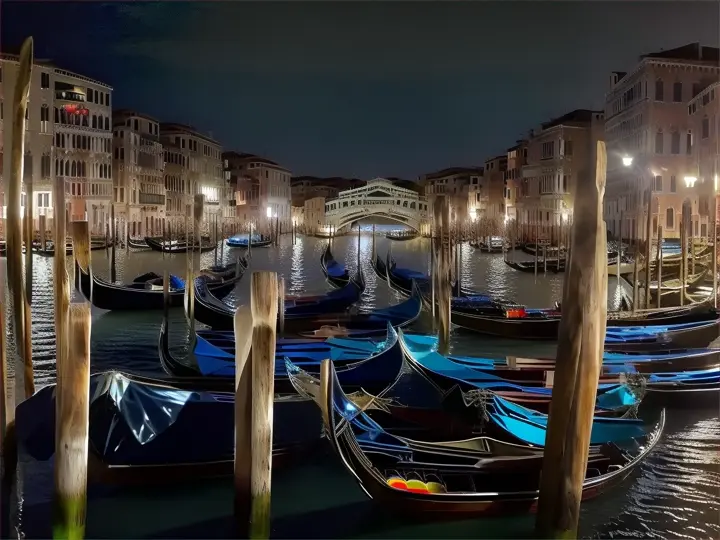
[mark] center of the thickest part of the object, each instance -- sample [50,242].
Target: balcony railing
[151,198]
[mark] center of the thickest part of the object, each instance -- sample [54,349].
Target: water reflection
[675,493]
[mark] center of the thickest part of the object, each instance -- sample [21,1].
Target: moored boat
[474,476]
[241,241]
[174,246]
[141,429]
[360,362]
[335,272]
[148,292]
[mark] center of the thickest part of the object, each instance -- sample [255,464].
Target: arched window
[94,121]
[83,170]
[57,167]
[57,115]
[74,141]
[84,120]
[107,123]
[67,167]
[670,218]
[73,169]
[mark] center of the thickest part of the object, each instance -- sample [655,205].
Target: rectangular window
[658,183]
[705,128]
[688,143]
[659,90]
[677,92]
[673,184]
[44,80]
[568,148]
[659,142]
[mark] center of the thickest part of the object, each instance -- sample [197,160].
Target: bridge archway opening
[349,220]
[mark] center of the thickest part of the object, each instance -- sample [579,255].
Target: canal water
[675,493]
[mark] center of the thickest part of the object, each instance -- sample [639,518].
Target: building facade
[68,136]
[559,156]
[139,183]
[516,160]
[262,191]
[489,198]
[454,183]
[649,139]
[704,159]
[195,166]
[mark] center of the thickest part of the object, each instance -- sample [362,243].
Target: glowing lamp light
[690,181]
[716,182]
[473,214]
[269,212]
[506,219]
[564,216]
[627,161]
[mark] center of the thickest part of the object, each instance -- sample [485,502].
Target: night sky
[357,89]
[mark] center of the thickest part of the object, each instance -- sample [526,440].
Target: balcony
[151,198]
[69,95]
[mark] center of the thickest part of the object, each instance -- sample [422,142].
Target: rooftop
[125,113]
[573,117]
[172,127]
[453,171]
[691,51]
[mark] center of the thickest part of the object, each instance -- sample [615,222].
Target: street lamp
[269,212]
[690,181]
[627,161]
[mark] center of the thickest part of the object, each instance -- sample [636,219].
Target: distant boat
[241,240]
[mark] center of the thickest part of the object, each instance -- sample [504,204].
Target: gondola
[495,245]
[138,244]
[148,293]
[141,429]
[474,476]
[241,241]
[217,315]
[614,397]
[623,381]
[49,250]
[400,236]
[401,280]
[360,362]
[526,324]
[529,266]
[211,311]
[335,272]
[684,389]
[534,370]
[158,244]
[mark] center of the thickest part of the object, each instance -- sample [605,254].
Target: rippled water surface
[675,493]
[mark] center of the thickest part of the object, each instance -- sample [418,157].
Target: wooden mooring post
[648,247]
[254,393]
[72,401]
[715,255]
[113,240]
[658,264]
[442,270]
[685,228]
[8,441]
[579,358]
[20,289]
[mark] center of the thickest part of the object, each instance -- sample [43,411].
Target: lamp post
[628,162]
